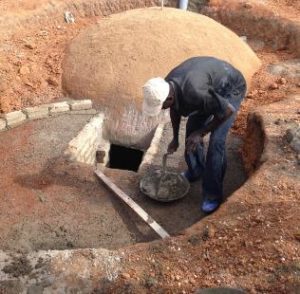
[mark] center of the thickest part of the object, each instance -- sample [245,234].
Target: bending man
[209,92]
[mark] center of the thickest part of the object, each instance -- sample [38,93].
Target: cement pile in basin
[109,62]
[164,187]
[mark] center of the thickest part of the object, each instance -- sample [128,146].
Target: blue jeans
[212,166]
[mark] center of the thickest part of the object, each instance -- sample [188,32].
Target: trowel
[162,174]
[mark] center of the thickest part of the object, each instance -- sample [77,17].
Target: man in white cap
[209,92]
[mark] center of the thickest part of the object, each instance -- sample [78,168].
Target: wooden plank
[132,204]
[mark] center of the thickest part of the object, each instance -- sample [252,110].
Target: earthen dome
[109,62]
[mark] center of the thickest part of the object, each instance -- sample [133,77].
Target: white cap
[156,91]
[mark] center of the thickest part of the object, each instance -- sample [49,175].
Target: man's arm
[175,120]
[197,137]
[217,120]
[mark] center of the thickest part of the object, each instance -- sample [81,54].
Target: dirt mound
[109,62]
[113,59]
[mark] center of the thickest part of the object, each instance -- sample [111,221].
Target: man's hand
[173,146]
[193,140]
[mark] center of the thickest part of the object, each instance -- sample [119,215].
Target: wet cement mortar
[49,202]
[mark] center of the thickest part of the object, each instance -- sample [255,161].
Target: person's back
[211,70]
[196,76]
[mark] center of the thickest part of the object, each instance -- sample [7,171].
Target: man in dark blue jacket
[209,92]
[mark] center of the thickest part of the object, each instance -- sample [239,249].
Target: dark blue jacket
[203,84]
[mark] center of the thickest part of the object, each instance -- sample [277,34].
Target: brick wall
[84,146]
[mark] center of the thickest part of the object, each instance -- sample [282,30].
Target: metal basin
[172,186]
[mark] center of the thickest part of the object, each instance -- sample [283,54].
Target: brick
[37,112]
[91,161]
[86,149]
[81,104]
[100,156]
[14,118]
[2,124]
[59,107]
[84,138]
[97,121]
[87,112]
[102,152]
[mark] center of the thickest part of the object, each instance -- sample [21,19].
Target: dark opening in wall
[121,157]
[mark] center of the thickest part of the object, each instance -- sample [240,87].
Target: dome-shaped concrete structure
[111,61]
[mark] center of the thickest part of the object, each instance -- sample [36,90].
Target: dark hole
[125,158]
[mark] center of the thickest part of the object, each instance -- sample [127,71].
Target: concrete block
[81,104]
[59,107]
[87,112]
[2,124]
[100,156]
[102,152]
[14,118]
[37,112]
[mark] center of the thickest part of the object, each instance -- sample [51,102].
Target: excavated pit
[121,157]
[51,202]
